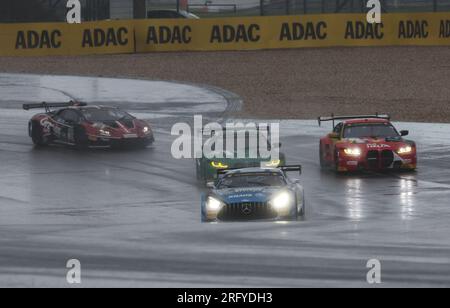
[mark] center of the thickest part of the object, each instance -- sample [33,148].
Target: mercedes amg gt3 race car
[367,142]
[254,194]
[207,169]
[82,126]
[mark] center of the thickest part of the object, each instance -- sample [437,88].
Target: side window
[70,116]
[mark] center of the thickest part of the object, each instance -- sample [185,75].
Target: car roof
[254,170]
[367,121]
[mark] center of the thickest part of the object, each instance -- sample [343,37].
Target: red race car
[82,126]
[368,142]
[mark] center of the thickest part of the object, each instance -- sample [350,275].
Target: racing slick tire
[323,164]
[302,212]
[200,173]
[36,134]
[300,215]
[336,162]
[145,144]
[197,171]
[81,139]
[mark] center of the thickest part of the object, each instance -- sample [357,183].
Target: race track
[132,217]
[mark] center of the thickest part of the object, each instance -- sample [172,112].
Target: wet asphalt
[132,217]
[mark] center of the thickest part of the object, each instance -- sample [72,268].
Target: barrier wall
[251,33]
[64,39]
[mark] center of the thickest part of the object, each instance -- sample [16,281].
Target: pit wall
[250,33]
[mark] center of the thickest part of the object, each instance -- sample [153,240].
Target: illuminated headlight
[273,163]
[146,130]
[218,165]
[353,152]
[282,201]
[405,150]
[213,205]
[103,132]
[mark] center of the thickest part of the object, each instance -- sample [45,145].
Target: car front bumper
[377,160]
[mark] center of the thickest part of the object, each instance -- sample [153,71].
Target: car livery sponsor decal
[46,124]
[377,146]
[244,190]
[242,196]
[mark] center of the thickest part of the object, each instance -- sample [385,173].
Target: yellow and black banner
[249,33]
[64,39]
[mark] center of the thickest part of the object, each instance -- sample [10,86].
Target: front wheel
[81,139]
[302,212]
[201,173]
[336,161]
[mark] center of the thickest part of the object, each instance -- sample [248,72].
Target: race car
[206,168]
[366,142]
[80,125]
[254,194]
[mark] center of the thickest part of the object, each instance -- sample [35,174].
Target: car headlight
[273,163]
[146,130]
[218,165]
[281,201]
[213,205]
[405,150]
[103,132]
[353,151]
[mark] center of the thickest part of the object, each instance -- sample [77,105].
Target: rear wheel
[36,133]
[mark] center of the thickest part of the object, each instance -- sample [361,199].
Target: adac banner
[47,39]
[293,32]
[249,33]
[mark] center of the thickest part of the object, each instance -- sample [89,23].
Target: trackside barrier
[48,39]
[251,33]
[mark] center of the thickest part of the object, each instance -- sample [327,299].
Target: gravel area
[411,83]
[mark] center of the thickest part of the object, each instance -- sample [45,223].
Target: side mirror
[211,185]
[404,133]
[334,135]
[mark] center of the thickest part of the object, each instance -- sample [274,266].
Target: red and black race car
[80,125]
[367,142]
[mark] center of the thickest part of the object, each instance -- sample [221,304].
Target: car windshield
[252,180]
[370,130]
[105,114]
[241,142]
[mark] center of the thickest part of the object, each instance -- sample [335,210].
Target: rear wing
[292,168]
[338,118]
[47,106]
